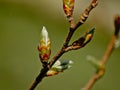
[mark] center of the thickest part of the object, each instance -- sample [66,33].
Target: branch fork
[68,7]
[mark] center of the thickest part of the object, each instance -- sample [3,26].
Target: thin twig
[86,13]
[104,60]
[109,50]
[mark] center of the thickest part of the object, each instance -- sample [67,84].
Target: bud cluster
[59,66]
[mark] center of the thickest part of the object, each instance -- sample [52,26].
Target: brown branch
[109,50]
[86,13]
[101,71]
[104,60]
[64,48]
[38,78]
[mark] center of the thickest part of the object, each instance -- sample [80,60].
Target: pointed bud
[89,36]
[117,24]
[44,46]
[68,7]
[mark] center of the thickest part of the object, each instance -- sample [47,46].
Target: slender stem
[68,38]
[86,13]
[104,61]
[109,50]
[56,57]
[101,71]
[92,81]
[38,78]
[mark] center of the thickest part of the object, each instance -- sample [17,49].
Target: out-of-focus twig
[111,46]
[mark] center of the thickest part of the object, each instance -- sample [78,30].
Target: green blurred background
[21,22]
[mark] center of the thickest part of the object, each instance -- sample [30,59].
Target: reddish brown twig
[104,60]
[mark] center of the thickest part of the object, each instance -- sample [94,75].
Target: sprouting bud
[117,24]
[62,65]
[96,63]
[44,46]
[68,7]
[89,36]
[59,66]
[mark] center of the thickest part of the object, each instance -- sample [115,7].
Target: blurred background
[21,22]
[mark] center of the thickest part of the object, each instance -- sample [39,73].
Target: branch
[86,13]
[111,46]
[65,47]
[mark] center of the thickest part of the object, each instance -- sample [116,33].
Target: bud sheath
[44,46]
[68,7]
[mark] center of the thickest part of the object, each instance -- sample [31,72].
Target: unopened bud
[89,35]
[68,7]
[44,46]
